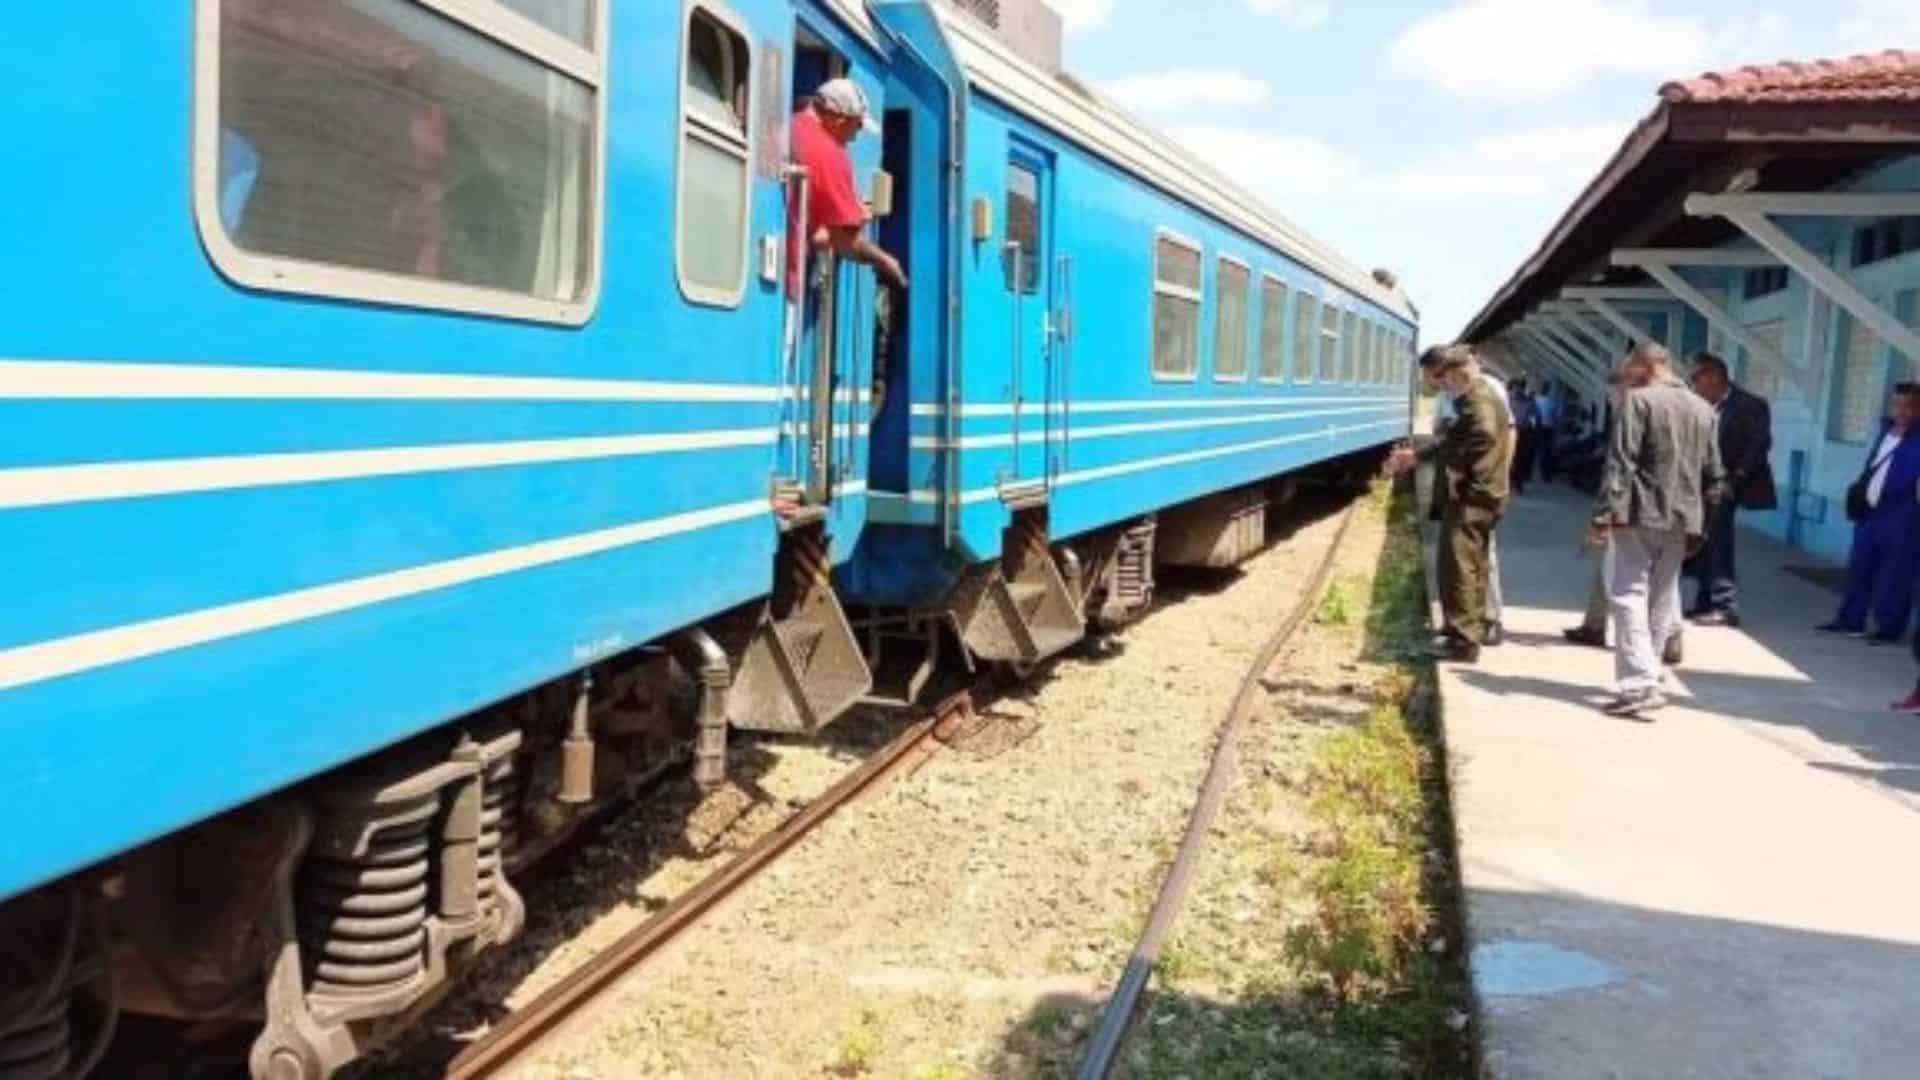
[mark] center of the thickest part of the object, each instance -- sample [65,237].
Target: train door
[1033,279]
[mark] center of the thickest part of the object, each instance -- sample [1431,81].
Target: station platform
[1730,891]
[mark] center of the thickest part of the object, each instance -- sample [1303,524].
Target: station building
[1772,215]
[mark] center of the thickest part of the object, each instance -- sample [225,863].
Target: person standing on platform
[1526,436]
[1546,409]
[1886,530]
[1746,440]
[1475,460]
[1444,413]
[1663,473]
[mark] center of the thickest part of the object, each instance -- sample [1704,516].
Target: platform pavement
[1731,891]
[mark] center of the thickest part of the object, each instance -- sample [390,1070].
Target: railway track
[1124,1005]
[523,1033]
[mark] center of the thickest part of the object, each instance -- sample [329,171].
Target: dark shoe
[1580,635]
[1675,653]
[1885,639]
[1496,635]
[1454,650]
[1636,706]
[1840,629]
[1717,618]
[1910,704]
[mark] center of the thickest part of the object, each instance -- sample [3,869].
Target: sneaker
[1840,629]
[1496,634]
[1635,706]
[1581,635]
[1675,653]
[1717,618]
[1910,705]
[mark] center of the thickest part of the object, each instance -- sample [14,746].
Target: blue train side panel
[1053,383]
[246,535]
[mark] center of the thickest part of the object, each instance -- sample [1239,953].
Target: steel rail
[525,1029]
[1117,1019]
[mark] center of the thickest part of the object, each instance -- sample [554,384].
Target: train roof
[1067,106]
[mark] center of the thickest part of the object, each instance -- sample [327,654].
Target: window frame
[1350,323]
[1246,318]
[686,127]
[1197,296]
[1268,277]
[1312,329]
[1331,376]
[495,23]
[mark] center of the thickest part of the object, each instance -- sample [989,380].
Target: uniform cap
[844,97]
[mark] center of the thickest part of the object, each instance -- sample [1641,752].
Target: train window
[1230,321]
[572,19]
[715,161]
[1377,356]
[1273,329]
[1023,228]
[389,152]
[1306,335]
[1363,345]
[1329,343]
[1350,353]
[1176,307]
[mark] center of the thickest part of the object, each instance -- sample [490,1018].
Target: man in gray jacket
[1663,472]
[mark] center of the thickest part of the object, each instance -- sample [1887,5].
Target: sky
[1438,139]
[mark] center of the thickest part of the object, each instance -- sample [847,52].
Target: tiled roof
[1890,76]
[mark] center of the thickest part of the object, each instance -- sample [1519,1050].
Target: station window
[1350,354]
[1023,228]
[1884,240]
[1329,343]
[1859,385]
[1306,335]
[1230,321]
[1763,281]
[1273,329]
[1176,307]
[389,151]
[715,161]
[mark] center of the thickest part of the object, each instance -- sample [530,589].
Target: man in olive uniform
[1474,459]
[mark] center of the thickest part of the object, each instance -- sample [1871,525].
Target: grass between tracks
[1323,942]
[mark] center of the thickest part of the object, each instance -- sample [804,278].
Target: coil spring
[499,823]
[38,1046]
[1133,575]
[363,920]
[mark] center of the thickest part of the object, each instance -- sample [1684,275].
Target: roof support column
[1547,360]
[1620,322]
[1720,317]
[1753,213]
[1572,360]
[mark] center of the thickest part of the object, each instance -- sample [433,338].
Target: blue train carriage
[1114,356]
[396,403]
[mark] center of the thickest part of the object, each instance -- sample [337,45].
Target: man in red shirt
[836,218]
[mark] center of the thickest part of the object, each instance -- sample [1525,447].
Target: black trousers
[1713,567]
[1526,445]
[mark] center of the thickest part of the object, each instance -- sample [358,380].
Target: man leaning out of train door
[836,218]
[1475,458]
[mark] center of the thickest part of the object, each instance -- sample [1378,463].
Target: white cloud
[1305,14]
[1546,164]
[1182,87]
[1282,168]
[1881,24]
[1525,50]
[1083,14]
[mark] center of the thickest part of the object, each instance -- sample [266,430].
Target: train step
[1021,621]
[800,672]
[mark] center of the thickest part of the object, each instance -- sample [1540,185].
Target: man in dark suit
[1746,439]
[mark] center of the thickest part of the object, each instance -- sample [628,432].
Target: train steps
[802,671]
[1018,610]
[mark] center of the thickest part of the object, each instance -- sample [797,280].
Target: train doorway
[1035,279]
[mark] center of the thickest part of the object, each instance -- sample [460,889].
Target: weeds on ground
[858,1046]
